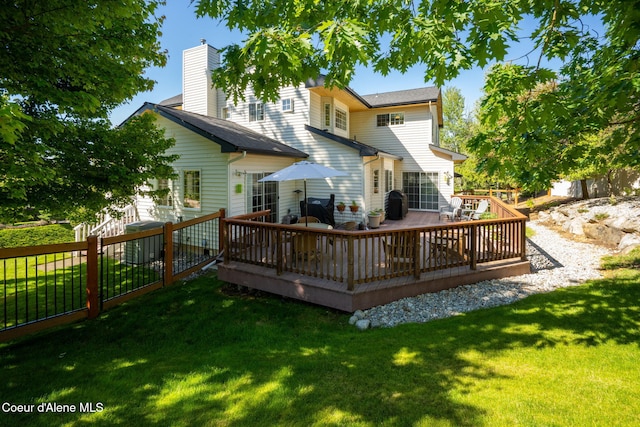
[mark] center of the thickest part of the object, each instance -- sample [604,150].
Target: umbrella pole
[306,207]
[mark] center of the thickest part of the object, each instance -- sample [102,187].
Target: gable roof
[402,97]
[174,101]
[231,137]
[363,149]
[457,158]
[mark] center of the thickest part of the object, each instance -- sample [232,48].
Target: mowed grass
[198,354]
[37,287]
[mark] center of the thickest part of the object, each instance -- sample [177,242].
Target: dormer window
[256,112]
[341,119]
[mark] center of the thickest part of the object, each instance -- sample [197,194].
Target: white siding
[198,94]
[410,141]
[259,164]
[196,153]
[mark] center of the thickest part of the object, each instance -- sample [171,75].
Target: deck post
[279,251]
[523,239]
[93,301]
[416,254]
[350,263]
[168,253]
[473,236]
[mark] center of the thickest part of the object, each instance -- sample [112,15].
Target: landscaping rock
[601,220]
[628,242]
[363,324]
[603,233]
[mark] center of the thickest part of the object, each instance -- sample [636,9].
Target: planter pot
[374,221]
[354,209]
[340,208]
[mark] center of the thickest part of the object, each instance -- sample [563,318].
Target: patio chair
[468,215]
[399,250]
[308,220]
[453,210]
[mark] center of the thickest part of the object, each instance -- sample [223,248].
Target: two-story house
[384,141]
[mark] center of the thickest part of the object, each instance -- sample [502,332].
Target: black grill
[397,206]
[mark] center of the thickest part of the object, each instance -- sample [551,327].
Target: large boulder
[603,233]
[616,224]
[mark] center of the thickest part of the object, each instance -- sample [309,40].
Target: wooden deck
[351,270]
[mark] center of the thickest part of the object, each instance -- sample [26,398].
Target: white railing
[107,226]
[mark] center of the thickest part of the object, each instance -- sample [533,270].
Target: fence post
[168,253]
[474,246]
[223,215]
[93,300]
[227,242]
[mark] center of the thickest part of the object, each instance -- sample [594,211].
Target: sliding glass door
[421,189]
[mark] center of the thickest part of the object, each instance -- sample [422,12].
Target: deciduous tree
[535,115]
[64,66]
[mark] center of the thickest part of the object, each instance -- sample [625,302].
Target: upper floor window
[225,113]
[341,119]
[192,189]
[287,105]
[327,116]
[256,112]
[391,119]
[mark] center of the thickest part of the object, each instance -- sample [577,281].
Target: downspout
[229,189]
[364,170]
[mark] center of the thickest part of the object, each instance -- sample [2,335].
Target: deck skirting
[336,295]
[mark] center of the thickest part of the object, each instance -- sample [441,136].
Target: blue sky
[182,30]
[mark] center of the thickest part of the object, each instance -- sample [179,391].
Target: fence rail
[44,286]
[356,257]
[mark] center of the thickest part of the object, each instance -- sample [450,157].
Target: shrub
[34,236]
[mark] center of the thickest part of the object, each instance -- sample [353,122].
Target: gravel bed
[556,263]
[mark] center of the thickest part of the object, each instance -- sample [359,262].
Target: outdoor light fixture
[447,177]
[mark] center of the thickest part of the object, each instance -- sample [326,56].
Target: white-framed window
[388,180]
[390,119]
[224,114]
[287,105]
[327,116]
[376,181]
[166,200]
[191,183]
[341,119]
[256,112]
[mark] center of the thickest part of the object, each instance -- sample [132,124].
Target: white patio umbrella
[303,170]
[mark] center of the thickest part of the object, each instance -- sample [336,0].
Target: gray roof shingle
[402,97]
[231,136]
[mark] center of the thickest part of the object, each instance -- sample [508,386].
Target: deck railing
[355,257]
[44,286]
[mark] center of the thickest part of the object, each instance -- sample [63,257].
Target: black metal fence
[43,286]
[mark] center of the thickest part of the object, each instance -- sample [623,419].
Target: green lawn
[192,354]
[30,291]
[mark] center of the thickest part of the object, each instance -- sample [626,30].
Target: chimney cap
[203,41]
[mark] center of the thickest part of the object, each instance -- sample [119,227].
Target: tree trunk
[609,183]
[585,189]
